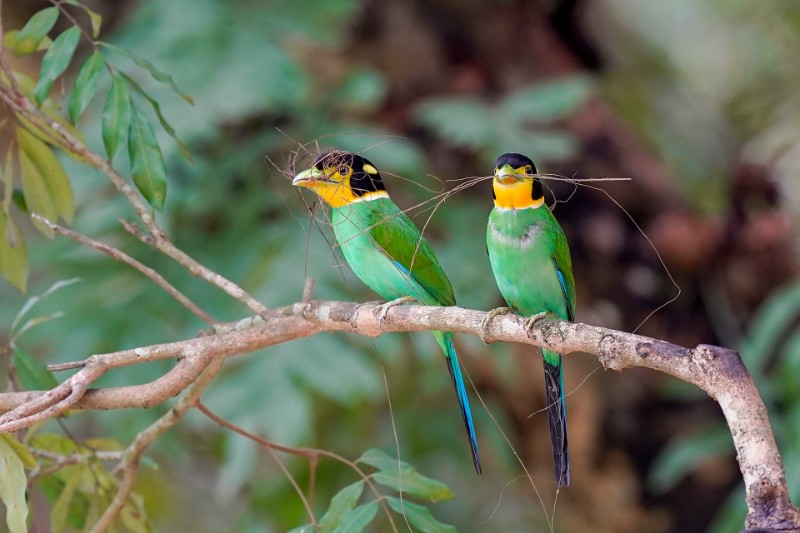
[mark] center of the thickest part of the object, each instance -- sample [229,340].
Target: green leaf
[10,41]
[79,510]
[381,460]
[60,512]
[462,121]
[27,86]
[731,514]
[133,515]
[13,253]
[116,116]
[22,451]
[29,37]
[32,373]
[85,86]
[362,90]
[547,102]
[52,442]
[17,331]
[12,488]
[772,321]
[8,182]
[344,501]
[419,516]
[55,62]
[94,17]
[409,481]
[18,198]
[684,454]
[307,528]
[401,476]
[163,77]
[105,444]
[147,163]
[357,519]
[37,196]
[52,172]
[540,145]
[157,110]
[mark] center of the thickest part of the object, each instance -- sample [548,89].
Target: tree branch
[718,371]
[133,454]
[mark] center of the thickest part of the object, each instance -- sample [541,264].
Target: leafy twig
[64,139]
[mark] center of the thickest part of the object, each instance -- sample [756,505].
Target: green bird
[385,249]
[531,264]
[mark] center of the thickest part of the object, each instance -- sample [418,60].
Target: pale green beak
[507,175]
[312,174]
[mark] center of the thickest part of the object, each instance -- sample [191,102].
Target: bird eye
[343,170]
[528,170]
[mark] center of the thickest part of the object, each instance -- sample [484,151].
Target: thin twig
[271,450]
[308,453]
[75,458]
[60,461]
[121,256]
[308,290]
[130,465]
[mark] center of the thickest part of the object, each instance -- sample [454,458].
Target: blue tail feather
[461,393]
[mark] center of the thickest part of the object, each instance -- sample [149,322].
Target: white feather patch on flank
[524,241]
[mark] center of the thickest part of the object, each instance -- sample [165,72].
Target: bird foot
[484,332]
[530,322]
[382,309]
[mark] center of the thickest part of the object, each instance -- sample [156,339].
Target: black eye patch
[362,183]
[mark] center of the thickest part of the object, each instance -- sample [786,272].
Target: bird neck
[517,195]
[340,195]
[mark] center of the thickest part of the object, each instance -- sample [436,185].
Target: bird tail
[446,342]
[556,415]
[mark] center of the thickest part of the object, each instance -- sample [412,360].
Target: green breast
[525,248]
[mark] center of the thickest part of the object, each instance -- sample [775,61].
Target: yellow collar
[340,195]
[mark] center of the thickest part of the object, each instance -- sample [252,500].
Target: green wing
[397,236]
[563,265]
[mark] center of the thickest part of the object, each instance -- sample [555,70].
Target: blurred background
[696,101]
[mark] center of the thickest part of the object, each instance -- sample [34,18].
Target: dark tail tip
[557,421]
[476,459]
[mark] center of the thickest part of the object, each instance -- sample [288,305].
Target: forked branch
[718,371]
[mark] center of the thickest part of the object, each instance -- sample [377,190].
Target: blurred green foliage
[515,124]
[265,77]
[251,74]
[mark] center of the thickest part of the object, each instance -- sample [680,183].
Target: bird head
[515,185]
[341,178]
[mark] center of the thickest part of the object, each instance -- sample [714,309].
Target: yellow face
[514,188]
[330,179]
